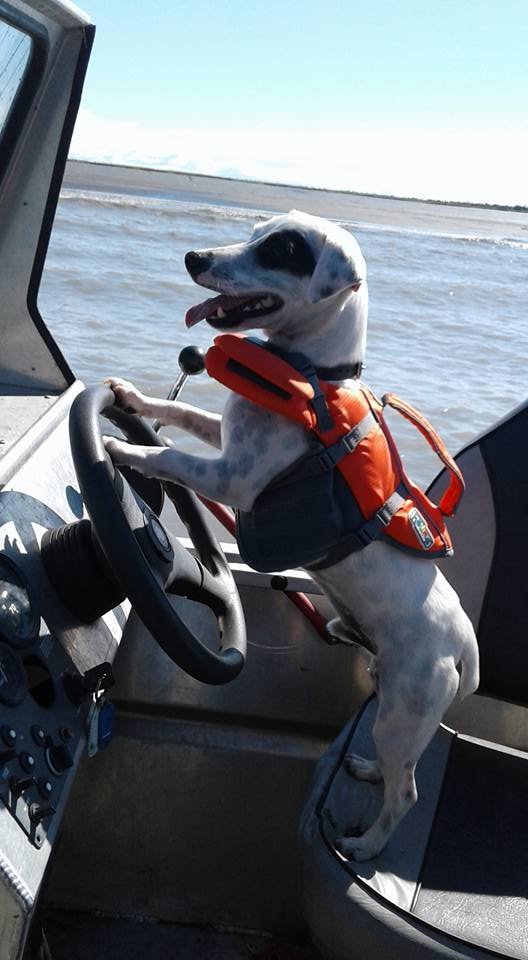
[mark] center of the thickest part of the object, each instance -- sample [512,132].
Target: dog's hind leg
[407,720]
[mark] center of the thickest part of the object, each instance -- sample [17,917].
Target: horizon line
[513,208]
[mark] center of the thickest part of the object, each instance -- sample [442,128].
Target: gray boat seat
[452,881]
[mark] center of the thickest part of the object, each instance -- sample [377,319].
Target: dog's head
[295,269]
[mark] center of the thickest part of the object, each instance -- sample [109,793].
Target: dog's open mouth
[226,311]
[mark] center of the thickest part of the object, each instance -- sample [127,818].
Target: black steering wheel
[145,558]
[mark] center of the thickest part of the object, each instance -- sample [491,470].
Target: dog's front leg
[200,423]
[216,479]
[170,413]
[256,446]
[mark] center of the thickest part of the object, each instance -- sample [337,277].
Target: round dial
[19,621]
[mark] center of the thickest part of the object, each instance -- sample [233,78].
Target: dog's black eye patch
[286,250]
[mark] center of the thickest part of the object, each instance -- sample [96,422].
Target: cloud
[484,166]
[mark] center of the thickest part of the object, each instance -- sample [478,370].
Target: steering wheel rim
[207,578]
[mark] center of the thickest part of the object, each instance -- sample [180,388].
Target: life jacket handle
[451,497]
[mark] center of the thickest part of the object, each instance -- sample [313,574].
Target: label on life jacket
[350,488]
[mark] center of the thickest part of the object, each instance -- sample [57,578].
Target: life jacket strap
[328,458]
[305,367]
[318,402]
[371,530]
[365,534]
[450,500]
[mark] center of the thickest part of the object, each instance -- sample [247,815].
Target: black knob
[279,583]
[19,785]
[59,758]
[39,734]
[9,735]
[191,360]
[27,762]
[38,812]
[7,755]
[45,787]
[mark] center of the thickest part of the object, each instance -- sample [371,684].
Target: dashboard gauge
[19,621]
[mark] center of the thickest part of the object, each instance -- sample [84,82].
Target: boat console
[50,662]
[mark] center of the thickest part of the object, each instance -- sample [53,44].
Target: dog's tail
[468,667]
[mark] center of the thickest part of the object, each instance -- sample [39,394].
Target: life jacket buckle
[355,436]
[370,530]
[326,460]
[387,511]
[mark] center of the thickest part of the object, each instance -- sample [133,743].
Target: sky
[400,97]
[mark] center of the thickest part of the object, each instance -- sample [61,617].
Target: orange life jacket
[352,443]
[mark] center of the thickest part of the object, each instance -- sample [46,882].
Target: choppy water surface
[448,326]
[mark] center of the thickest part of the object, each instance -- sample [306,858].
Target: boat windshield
[15,49]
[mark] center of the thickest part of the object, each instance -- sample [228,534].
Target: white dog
[303,281]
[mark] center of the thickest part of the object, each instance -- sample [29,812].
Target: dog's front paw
[117,450]
[357,848]
[128,397]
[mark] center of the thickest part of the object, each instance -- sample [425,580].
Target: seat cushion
[453,878]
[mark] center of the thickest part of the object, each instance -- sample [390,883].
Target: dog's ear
[336,270]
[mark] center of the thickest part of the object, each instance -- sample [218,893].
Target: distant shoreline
[430,216]
[517,208]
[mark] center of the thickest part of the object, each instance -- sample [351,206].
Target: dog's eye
[284,245]
[286,250]
[278,246]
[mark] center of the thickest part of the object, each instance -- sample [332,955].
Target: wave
[163,203]
[517,243]
[179,205]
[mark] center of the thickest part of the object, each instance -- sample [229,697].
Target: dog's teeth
[267,302]
[220,313]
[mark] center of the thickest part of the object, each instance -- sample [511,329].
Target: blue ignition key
[105,724]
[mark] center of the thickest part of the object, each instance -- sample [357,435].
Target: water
[448,328]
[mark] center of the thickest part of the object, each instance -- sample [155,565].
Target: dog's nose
[197,263]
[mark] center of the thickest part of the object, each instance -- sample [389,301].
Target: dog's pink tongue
[209,307]
[201,311]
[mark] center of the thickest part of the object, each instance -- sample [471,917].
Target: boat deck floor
[83,936]
[20,408]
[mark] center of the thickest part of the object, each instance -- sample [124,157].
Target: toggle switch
[38,812]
